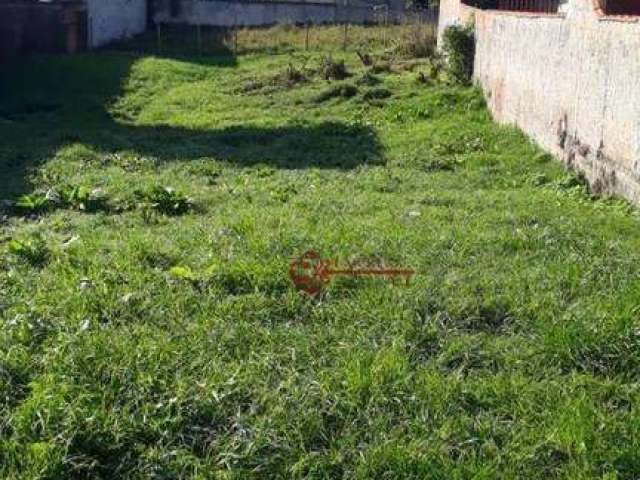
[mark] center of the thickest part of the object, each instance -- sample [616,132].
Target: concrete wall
[229,13]
[111,20]
[453,11]
[570,81]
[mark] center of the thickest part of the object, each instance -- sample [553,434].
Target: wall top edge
[513,13]
[619,19]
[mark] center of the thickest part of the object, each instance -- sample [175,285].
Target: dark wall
[28,27]
[622,7]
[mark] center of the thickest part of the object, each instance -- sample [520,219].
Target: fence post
[199,35]
[235,40]
[346,24]
[385,24]
[344,40]
[158,37]
[306,36]
[384,31]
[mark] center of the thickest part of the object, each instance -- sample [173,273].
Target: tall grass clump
[418,41]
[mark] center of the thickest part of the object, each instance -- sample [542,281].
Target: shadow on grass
[183,43]
[323,145]
[49,102]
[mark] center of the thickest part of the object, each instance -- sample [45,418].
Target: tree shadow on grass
[49,102]
[322,145]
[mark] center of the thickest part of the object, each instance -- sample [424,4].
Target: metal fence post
[199,35]
[158,37]
[306,35]
[235,40]
[346,25]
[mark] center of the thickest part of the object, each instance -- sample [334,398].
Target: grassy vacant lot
[153,333]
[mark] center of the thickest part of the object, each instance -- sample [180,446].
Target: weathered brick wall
[27,27]
[569,81]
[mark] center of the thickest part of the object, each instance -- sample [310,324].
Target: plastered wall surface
[453,11]
[227,14]
[570,81]
[231,13]
[110,20]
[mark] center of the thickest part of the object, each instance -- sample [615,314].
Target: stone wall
[570,81]
[111,20]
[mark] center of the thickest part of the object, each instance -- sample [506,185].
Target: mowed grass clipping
[150,330]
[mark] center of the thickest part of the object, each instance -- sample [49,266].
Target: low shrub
[165,200]
[459,50]
[82,198]
[291,76]
[333,69]
[377,94]
[369,80]
[345,90]
[436,66]
[365,58]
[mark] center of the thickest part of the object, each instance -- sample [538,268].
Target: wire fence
[413,29]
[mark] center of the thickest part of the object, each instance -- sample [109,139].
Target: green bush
[459,50]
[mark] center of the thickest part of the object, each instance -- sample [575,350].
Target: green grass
[150,332]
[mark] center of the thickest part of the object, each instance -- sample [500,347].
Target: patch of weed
[379,93]
[381,67]
[343,90]
[33,203]
[82,198]
[368,79]
[291,76]
[331,69]
[31,249]
[165,200]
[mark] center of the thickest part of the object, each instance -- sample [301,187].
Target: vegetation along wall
[569,80]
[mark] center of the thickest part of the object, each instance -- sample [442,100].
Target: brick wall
[29,27]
